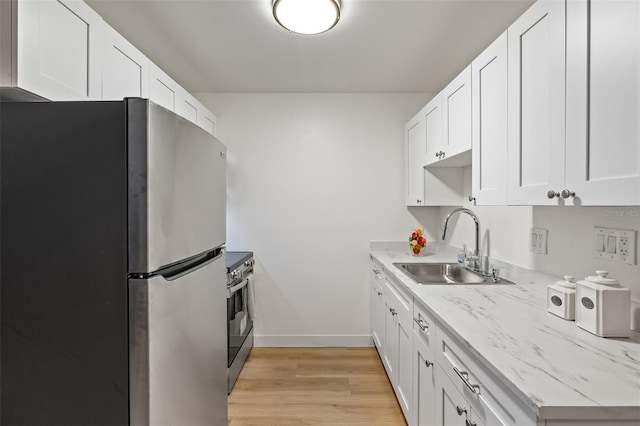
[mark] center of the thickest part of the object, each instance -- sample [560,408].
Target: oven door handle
[239,286]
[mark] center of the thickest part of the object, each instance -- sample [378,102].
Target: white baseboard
[314,341]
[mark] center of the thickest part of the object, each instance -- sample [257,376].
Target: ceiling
[379,46]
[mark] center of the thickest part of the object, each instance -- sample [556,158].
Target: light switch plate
[618,245]
[538,242]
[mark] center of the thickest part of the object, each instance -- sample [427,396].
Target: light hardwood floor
[313,386]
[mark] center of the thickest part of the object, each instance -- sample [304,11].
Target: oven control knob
[235,274]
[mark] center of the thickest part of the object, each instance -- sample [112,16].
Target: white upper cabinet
[187,105]
[53,50]
[163,90]
[208,122]
[438,186]
[126,70]
[489,135]
[432,114]
[603,102]
[414,160]
[456,120]
[536,117]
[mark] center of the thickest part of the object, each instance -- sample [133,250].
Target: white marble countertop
[558,369]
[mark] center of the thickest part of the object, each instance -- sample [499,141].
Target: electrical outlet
[538,242]
[618,245]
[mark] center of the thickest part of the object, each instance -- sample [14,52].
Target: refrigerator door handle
[176,270]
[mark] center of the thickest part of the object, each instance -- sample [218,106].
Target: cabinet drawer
[377,274]
[402,301]
[424,326]
[489,398]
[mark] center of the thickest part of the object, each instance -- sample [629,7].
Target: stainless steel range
[240,311]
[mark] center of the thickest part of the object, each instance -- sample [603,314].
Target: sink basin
[444,273]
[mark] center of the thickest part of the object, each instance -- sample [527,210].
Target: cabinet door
[432,114]
[456,115]
[162,89]
[489,136]
[603,102]
[536,104]
[59,46]
[126,70]
[424,384]
[378,320]
[390,345]
[451,407]
[187,106]
[405,366]
[414,161]
[207,121]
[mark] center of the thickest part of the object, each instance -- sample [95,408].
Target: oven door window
[239,322]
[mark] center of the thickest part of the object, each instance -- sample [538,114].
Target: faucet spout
[475,219]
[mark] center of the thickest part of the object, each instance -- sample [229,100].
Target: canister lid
[569,282]
[602,279]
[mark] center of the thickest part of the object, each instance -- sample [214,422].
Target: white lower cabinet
[424,383]
[404,387]
[378,312]
[397,340]
[435,377]
[484,400]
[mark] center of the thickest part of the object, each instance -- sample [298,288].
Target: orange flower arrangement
[417,241]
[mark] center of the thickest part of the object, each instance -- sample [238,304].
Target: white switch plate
[618,245]
[538,242]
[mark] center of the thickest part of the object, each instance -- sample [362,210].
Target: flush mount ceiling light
[307,16]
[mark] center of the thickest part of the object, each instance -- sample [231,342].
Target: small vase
[416,254]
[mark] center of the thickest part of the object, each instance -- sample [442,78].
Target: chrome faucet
[476,254]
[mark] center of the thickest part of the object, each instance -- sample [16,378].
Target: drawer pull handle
[421,324]
[460,410]
[428,363]
[465,378]
[468,423]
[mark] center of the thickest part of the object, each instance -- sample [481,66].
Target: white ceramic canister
[561,298]
[603,306]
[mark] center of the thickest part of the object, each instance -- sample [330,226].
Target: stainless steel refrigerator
[112,269]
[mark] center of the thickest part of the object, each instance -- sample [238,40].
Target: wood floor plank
[313,386]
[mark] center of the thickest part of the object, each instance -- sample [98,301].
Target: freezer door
[177,188]
[178,354]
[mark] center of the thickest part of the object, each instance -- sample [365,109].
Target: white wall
[313,178]
[505,235]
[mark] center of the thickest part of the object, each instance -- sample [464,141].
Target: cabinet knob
[428,363]
[393,312]
[552,194]
[472,198]
[566,193]
[419,201]
[379,293]
[469,423]
[460,410]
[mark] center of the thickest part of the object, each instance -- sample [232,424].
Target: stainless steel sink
[444,273]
